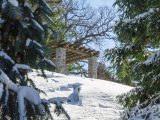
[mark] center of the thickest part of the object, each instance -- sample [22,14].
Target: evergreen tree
[137,58]
[23,30]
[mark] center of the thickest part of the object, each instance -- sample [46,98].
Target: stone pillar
[92,67]
[61,60]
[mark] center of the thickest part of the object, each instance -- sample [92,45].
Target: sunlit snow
[97,97]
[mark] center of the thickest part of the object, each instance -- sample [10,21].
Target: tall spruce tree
[137,58]
[23,29]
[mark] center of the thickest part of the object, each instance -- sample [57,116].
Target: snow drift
[97,97]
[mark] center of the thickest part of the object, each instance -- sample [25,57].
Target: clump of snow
[28,41]
[26,4]
[30,94]
[5,56]
[2,20]
[149,110]
[40,51]
[13,2]
[98,96]
[141,16]
[4,3]
[18,67]
[1,90]
[152,58]
[23,92]
[21,67]
[5,80]
[48,61]
[37,24]
[34,44]
[74,97]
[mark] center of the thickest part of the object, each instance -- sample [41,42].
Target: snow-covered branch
[17,67]
[37,25]
[141,16]
[147,110]
[14,2]
[33,43]
[5,80]
[153,58]
[49,62]
[32,96]
[1,90]
[4,56]
[23,92]
[21,67]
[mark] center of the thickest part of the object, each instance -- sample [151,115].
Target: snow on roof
[98,96]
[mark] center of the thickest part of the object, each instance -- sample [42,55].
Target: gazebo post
[92,67]
[61,60]
[66,53]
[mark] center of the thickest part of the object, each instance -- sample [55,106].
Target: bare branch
[83,24]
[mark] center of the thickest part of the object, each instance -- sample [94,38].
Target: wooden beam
[76,51]
[71,56]
[72,47]
[68,53]
[76,59]
[76,56]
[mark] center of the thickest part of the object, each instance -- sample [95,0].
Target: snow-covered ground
[98,96]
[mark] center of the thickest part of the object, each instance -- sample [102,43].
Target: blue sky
[97,3]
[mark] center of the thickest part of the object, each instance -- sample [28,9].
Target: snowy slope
[98,96]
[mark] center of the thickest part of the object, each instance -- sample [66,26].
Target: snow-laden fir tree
[137,58]
[23,30]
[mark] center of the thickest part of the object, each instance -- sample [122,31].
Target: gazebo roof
[73,52]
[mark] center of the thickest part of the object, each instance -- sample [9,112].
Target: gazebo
[65,53]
